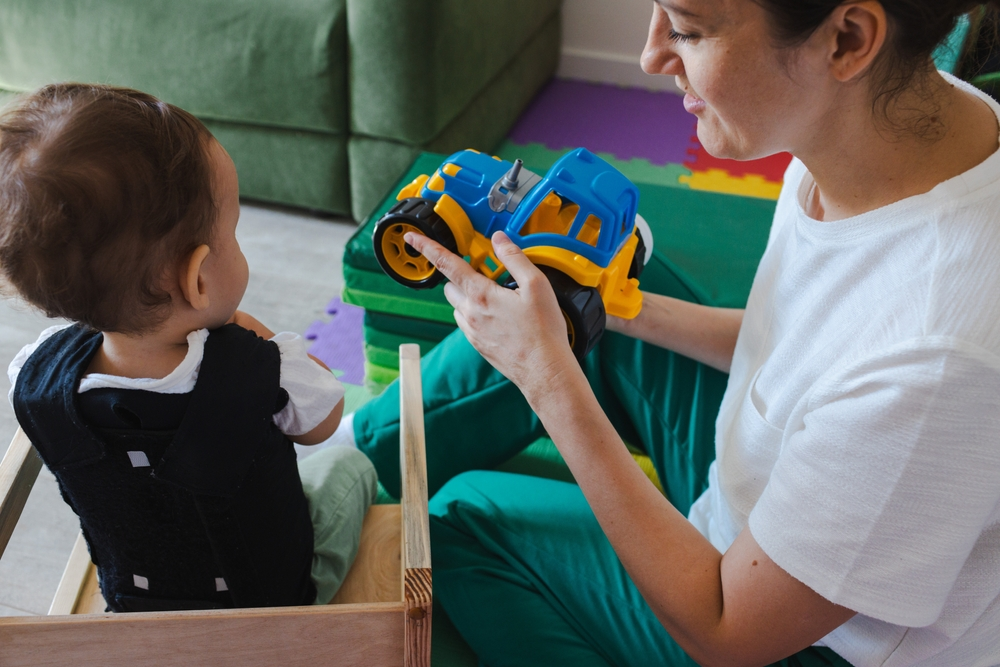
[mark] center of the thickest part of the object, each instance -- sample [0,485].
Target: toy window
[553,215]
[590,231]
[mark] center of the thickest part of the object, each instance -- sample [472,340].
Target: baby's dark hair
[101,190]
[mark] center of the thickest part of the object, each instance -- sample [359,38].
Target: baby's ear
[192,281]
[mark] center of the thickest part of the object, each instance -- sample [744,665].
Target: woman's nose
[659,56]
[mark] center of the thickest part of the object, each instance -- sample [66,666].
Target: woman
[854,498]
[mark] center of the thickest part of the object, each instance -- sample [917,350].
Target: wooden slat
[375,574]
[91,600]
[18,472]
[413,461]
[342,635]
[416,527]
[73,581]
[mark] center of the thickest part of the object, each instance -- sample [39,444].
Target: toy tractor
[578,224]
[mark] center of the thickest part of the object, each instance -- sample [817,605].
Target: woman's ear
[192,281]
[859,33]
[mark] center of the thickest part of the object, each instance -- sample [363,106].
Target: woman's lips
[693,104]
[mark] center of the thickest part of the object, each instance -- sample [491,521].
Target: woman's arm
[703,333]
[733,609]
[737,608]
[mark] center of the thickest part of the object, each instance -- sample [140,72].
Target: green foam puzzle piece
[408,326]
[377,301]
[539,158]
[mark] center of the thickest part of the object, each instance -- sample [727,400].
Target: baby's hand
[250,323]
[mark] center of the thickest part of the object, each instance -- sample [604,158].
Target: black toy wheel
[582,308]
[399,259]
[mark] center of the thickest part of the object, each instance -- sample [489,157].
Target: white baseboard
[611,68]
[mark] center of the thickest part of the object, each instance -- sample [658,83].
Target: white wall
[603,39]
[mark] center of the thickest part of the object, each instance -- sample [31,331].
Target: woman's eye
[679,37]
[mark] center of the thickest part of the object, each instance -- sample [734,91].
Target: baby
[166,415]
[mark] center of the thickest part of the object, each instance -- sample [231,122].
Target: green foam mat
[379,377]
[391,341]
[374,290]
[422,329]
[379,301]
[539,158]
[378,356]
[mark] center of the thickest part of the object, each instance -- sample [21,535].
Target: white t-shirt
[312,391]
[859,436]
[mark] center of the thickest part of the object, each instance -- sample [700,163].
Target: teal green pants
[521,565]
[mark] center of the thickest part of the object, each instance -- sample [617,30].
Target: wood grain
[91,600]
[18,472]
[416,526]
[375,574]
[419,607]
[73,581]
[341,635]
[413,461]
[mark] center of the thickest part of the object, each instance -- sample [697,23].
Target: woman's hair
[916,27]
[101,189]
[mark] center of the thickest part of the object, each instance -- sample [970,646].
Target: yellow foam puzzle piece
[718,180]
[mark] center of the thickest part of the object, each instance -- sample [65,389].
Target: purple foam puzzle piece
[340,343]
[629,123]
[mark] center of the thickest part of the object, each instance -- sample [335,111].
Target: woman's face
[751,98]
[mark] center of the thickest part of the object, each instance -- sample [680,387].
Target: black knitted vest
[187,501]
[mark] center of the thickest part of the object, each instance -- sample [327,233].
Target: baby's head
[107,198]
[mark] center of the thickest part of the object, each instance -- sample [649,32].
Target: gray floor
[294,271]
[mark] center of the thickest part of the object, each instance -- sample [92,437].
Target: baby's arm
[312,388]
[251,323]
[324,430]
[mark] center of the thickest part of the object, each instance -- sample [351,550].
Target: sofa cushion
[376,163]
[415,65]
[282,166]
[269,62]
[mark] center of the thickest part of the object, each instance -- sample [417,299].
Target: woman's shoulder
[962,302]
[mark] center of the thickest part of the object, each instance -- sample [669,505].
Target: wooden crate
[381,616]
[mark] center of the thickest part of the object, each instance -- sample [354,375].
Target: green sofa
[323,104]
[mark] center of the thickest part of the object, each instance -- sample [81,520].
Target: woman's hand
[521,332]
